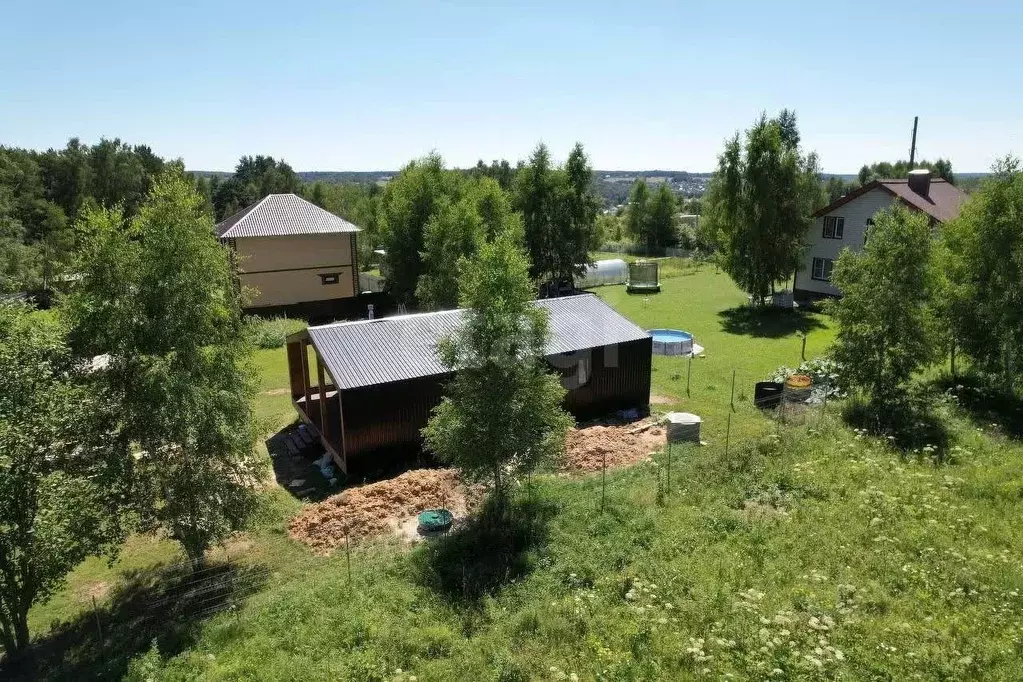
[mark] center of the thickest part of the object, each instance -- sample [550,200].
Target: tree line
[430,217]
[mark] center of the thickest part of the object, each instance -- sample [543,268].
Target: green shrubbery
[272,332]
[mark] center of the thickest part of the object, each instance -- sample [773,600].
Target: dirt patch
[277,391]
[586,449]
[94,589]
[378,508]
[662,400]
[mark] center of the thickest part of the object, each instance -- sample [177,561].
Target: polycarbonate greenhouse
[602,272]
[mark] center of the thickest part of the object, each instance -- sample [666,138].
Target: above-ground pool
[672,342]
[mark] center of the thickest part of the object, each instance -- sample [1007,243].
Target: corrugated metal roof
[281,215]
[373,352]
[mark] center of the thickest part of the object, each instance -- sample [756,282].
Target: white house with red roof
[845,223]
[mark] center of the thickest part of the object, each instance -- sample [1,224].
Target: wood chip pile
[376,508]
[625,445]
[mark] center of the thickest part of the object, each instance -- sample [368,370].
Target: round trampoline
[671,342]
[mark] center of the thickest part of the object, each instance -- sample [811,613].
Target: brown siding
[391,416]
[619,378]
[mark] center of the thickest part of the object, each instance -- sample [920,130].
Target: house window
[866,230]
[834,227]
[822,269]
[330,278]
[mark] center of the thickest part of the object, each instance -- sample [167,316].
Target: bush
[273,332]
[825,373]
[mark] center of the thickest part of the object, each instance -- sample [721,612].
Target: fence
[371,283]
[654,252]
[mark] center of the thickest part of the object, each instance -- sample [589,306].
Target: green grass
[707,305]
[806,552]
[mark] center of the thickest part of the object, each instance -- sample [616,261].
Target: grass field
[808,552]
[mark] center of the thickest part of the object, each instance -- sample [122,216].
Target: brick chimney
[920,181]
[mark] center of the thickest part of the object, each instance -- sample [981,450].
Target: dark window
[822,269]
[834,227]
[866,230]
[331,278]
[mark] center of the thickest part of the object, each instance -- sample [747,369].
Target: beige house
[845,223]
[292,254]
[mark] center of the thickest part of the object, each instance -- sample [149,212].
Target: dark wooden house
[369,386]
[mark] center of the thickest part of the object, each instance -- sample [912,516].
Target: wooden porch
[316,401]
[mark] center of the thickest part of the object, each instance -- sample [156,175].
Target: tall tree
[161,300]
[408,203]
[62,471]
[559,213]
[982,258]
[498,354]
[535,188]
[758,205]
[662,218]
[885,317]
[457,230]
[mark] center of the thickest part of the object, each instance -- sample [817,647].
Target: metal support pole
[728,433]
[689,373]
[802,353]
[668,484]
[99,629]
[348,559]
[733,391]
[603,480]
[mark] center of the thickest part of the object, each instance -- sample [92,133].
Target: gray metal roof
[372,352]
[281,215]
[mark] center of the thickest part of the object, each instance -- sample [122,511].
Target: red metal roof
[942,202]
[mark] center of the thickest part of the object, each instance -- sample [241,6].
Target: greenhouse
[603,272]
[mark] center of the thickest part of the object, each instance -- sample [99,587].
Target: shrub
[824,373]
[273,332]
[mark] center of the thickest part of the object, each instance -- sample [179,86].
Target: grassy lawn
[808,552]
[706,304]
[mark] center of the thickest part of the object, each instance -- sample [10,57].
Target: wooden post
[305,375]
[689,372]
[953,359]
[324,432]
[802,353]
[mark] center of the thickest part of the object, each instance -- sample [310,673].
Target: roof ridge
[392,318]
[251,211]
[427,313]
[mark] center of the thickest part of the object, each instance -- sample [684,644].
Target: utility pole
[912,147]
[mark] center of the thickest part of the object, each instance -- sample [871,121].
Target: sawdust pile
[377,507]
[621,445]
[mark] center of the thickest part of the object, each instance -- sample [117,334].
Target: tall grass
[807,554]
[271,332]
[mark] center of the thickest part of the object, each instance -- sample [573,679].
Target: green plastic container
[435,521]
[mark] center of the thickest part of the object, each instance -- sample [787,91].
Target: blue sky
[370,85]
